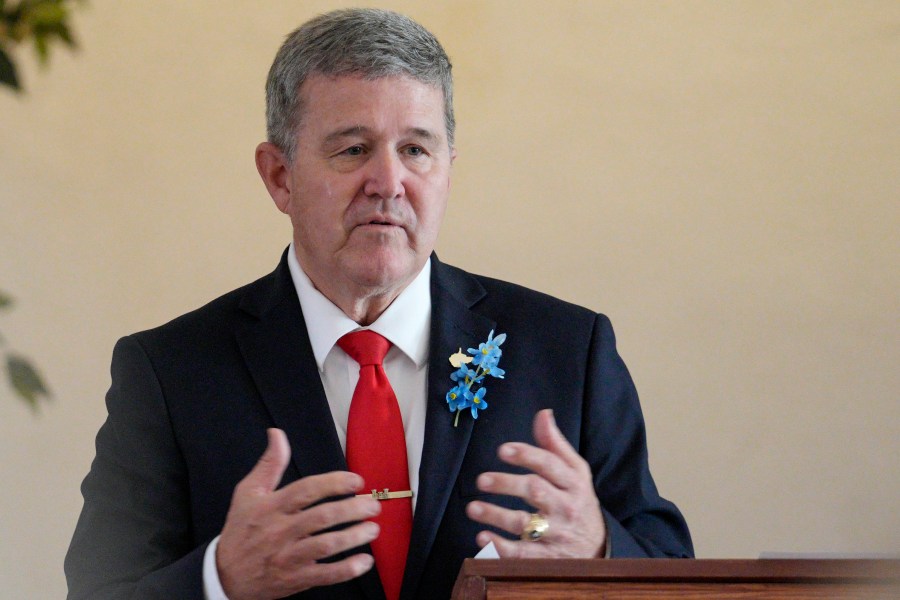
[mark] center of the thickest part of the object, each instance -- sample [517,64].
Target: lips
[380,220]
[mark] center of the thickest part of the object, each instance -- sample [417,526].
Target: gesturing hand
[559,487]
[271,539]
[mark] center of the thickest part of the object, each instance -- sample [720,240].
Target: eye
[415,150]
[354,151]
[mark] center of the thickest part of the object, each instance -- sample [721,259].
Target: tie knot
[365,347]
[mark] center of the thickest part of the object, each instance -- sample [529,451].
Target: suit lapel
[453,325]
[279,356]
[280,359]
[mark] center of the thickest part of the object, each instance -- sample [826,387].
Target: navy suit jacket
[190,403]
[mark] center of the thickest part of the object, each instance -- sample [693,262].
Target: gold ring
[537,527]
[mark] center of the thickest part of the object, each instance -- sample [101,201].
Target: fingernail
[475,509]
[554,428]
[507,451]
[372,530]
[485,481]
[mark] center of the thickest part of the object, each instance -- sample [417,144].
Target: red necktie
[376,450]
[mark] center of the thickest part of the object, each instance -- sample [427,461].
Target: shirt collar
[406,322]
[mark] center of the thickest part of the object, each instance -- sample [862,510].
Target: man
[238,456]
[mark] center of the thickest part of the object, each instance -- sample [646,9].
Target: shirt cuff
[212,587]
[608,552]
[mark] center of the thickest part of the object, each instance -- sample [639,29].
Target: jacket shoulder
[214,323]
[505,298]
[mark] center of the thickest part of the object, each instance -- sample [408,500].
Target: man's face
[369,182]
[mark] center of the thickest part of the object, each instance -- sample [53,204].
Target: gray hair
[368,42]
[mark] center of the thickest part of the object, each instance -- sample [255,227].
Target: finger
[543,462]
[307,491]
[319,574]
[329,514]
[549,437]
[507,548]
[266,474]
[533,489]
[324,545]
[513,521]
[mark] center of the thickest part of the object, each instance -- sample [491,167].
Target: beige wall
[720,178]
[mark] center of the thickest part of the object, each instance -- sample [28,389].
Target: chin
[386,270]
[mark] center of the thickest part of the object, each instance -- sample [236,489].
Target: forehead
[355,101]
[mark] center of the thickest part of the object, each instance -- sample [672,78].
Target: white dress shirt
[407,324]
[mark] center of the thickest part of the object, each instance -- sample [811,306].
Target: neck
[361,303]
[361,300]
[366,310]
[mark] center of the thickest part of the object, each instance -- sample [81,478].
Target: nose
[384,176]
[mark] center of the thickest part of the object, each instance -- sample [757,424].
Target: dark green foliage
[24,378]
[44,22]
[8,71]
[26,381]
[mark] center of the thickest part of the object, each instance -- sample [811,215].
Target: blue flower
[488,353]
[456,398]
[463,375]
[476,401]
[494,371]
[485,359]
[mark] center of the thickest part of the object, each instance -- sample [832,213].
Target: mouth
[379,221]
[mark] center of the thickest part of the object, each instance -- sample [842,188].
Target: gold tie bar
[386,494]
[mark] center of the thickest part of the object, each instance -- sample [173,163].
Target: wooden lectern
[626,579]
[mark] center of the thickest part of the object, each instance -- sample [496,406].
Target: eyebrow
[426,134]
[347,132]
[357,130]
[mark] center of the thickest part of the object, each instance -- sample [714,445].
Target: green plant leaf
[26,381]
[6,300]
[65,34]
[41,46]
[8,74]
[47,13]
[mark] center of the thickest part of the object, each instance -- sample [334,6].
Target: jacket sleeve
[133,538]
[639,522]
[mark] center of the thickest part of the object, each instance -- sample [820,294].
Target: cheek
[328,192]
[320,210]
[430,211]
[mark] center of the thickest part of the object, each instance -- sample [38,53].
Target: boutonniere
[469,390]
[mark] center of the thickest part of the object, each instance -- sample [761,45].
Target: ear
[452,159]
[275,172]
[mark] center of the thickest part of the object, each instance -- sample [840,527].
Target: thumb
[542,428]
[549,437]
[266,474]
